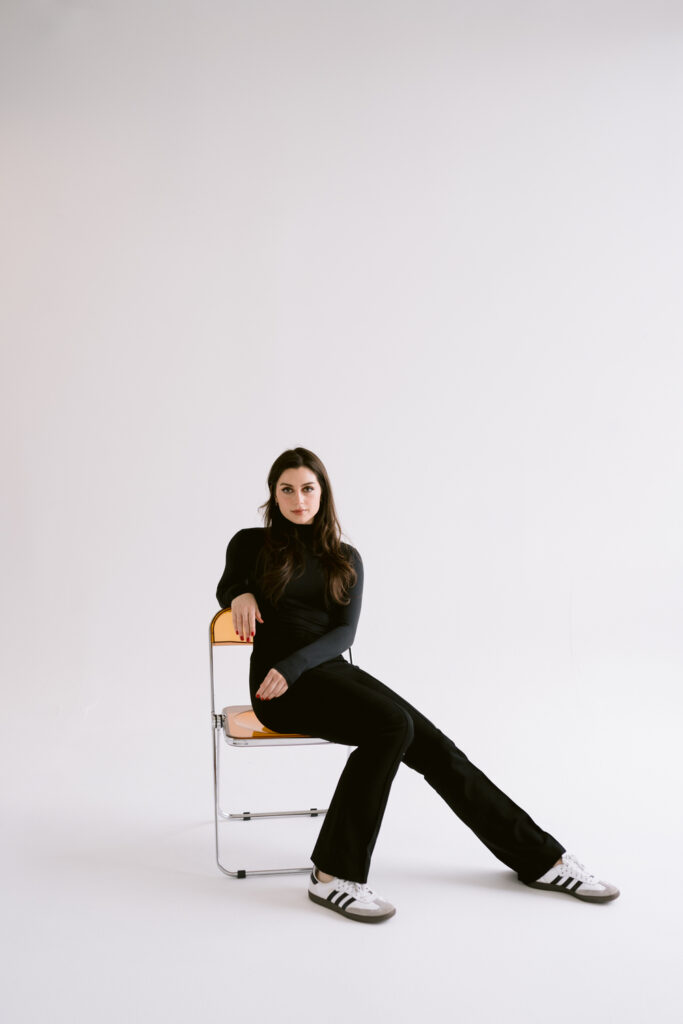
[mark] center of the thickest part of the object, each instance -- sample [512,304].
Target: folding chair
[240,727]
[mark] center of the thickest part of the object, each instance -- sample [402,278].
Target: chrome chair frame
[220,635]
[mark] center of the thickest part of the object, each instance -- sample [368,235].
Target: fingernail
[253,633]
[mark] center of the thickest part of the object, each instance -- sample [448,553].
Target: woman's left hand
[274,685]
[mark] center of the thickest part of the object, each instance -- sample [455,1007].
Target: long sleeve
[336,640]
[240,559]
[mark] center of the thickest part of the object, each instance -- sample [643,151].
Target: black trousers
[340,702]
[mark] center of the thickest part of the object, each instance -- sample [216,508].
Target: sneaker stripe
[567,882]
[332,895]
[556,879]
[344,903]
[576,885]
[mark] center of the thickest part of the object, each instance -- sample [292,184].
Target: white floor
[114,908]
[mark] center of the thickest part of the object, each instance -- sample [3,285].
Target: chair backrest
[222,631]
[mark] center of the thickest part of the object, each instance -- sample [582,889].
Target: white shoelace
[359,890]
[577,869]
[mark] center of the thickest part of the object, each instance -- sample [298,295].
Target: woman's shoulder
[250,536]
[351,552]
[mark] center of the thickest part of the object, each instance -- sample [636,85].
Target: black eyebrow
[285,484]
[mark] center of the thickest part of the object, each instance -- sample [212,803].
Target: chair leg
[247,816]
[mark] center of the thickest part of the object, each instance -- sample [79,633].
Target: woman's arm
[336,640]
[239,563]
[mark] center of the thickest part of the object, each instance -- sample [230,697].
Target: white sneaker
[352,899]
[572,877]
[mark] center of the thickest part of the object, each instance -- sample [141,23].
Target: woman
[295,591]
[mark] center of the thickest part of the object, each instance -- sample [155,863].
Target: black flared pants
[340,702]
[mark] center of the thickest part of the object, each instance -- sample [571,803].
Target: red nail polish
[253,633]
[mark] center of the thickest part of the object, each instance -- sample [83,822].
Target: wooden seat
[240,723]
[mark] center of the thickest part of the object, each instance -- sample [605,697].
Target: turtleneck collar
[304,532]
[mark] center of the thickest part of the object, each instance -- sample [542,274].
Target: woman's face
[298,494]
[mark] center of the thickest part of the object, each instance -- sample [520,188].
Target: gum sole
[566,892]
[347,913]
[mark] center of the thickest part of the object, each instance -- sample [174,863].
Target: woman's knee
[385,723]
[402,725]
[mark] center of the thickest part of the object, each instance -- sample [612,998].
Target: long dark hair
[283,551]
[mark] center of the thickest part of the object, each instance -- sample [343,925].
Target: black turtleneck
[300,632]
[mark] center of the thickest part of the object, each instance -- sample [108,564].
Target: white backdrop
[438,244]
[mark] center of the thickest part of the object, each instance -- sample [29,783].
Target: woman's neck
[304,531]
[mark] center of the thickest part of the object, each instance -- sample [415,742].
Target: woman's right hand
[245,614]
